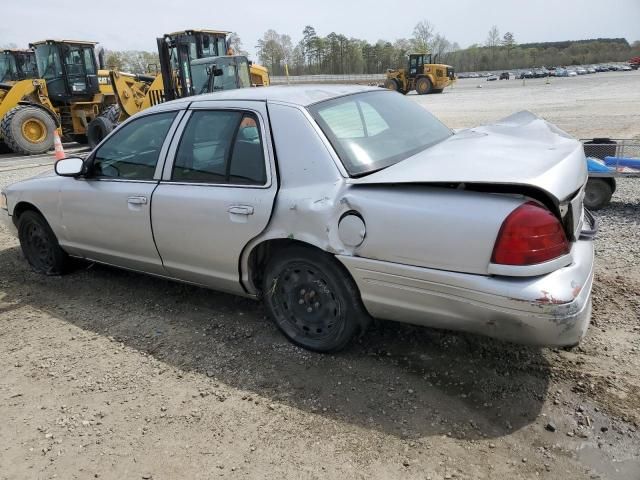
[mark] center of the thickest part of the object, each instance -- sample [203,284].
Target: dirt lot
[109,374]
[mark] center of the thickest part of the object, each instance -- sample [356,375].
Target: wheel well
[22,207]
[265,251]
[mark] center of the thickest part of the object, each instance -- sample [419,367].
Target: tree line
[340,54]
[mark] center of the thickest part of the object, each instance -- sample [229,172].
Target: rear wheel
[597,194]
[102,125]
[312,300]
[28,130]
[423,86]
[40,245]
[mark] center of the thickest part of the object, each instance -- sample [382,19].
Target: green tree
[422,36]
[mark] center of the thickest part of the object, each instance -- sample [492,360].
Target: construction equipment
[67,94]
[16,65]
[422,75]
[191,62]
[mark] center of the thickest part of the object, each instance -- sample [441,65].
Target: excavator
[66,93]
[191,62]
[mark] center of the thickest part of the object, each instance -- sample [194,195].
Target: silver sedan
[334,205]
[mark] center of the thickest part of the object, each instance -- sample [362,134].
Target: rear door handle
[137,200]
[240,209]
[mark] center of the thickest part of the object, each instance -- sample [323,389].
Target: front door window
[132,152]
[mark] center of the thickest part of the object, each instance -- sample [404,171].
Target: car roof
[302,95]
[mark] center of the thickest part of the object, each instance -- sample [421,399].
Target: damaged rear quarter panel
[410,224]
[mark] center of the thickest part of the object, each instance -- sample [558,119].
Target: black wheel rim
[305,303]
[38,248]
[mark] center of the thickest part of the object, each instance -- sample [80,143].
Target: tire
[40,245]
[102,125]
[597,194]
[313,300]
[28,130]
[80,138]
[423,86]
[392,84]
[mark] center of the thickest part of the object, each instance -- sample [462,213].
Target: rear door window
[221,147]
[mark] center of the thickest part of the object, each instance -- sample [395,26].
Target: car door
[106,215]
[216,194]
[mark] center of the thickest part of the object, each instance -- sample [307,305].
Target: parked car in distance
[561,72]
[572,73]
[591,69]
[526,74]
[373,208]
[504,76]
[492,78]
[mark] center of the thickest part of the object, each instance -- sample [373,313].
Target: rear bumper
[551,310]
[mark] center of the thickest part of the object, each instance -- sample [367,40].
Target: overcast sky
[134,25]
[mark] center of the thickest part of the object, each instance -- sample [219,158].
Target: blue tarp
[596,166]
[622,162]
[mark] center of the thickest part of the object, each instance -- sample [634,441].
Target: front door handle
[240,209]
[137,200]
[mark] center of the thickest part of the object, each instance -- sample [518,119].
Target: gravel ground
[110,374]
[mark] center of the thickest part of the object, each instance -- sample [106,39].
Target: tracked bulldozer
[191,62]
[68,92]
[422,75]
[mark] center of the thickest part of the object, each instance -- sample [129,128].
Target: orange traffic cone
[57,145]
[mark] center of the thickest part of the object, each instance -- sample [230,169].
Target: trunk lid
[522,149]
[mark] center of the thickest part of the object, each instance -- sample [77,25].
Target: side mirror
[69,167]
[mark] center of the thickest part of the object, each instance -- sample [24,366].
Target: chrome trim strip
[530,270]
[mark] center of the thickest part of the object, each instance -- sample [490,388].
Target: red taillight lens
[530,234]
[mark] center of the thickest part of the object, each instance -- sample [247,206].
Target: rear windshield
[373,130]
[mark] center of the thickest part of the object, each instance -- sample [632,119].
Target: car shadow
[399,379]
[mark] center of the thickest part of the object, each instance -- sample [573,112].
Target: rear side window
[221,147]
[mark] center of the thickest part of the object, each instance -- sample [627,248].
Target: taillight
[530,234]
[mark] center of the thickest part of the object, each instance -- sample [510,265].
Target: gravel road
[111,374]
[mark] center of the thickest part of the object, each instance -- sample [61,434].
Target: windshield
[7,68]
[226,79]
[48,59]
[375,130]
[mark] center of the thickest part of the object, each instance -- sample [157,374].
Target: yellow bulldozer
[421,75]
[191,62]
[67,93]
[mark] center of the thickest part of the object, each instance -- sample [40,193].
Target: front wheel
[392,84]
[28,130]
[313,300]
[40,245]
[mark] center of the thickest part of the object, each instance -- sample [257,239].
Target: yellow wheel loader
[191,62]
[67,94]
[422,75]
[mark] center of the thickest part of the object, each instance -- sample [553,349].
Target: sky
[134,25]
